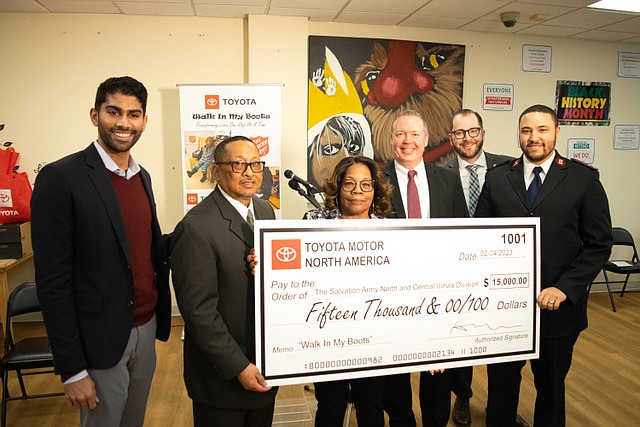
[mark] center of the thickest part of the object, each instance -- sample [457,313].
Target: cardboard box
[15,240]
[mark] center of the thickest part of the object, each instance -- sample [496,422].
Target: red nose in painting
[400,78]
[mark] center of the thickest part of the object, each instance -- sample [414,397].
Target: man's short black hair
[125,85]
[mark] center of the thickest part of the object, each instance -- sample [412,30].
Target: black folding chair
[625,267]
[32,354]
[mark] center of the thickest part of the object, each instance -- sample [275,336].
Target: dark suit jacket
[215,293]
[446,199]
[82,263]
[493,160]
[575,231]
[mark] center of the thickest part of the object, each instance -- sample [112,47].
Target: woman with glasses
[357,189]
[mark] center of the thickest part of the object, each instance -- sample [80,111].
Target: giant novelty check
[354,298]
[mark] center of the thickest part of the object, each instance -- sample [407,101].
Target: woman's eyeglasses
[365,185]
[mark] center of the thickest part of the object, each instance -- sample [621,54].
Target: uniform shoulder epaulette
[505,162]
[579,162]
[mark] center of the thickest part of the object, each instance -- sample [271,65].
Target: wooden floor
[603,386]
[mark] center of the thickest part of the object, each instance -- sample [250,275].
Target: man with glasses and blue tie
[214,289]
[471,162]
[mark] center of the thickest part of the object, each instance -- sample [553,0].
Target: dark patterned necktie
[413,200]
[250,218]
[534,187]
[474,188]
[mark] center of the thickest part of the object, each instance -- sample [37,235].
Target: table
[6,265]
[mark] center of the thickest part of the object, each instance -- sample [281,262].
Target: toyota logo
[212,102]
[286,254]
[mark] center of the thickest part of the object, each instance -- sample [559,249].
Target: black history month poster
[583,103]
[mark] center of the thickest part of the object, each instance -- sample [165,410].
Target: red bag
[15,198]
[8,160]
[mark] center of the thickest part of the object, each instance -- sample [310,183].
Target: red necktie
[413,200]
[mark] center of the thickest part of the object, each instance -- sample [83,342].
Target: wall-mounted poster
[497,97]
[357,85]
[583,103]
[583,149]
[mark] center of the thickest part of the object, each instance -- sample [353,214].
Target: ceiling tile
[471,9]
[550,30]
[611,36]
[631,25]
[369,18]
[423,21]
[226,11]
[80,6]
[20,6]
[152,8]
[384,6]
[323,15]
[588,19]
[309,4]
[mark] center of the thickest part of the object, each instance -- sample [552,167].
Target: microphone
[293,177]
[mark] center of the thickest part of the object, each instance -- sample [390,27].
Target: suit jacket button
[130,303]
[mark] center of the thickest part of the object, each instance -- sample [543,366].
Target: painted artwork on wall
[356,86]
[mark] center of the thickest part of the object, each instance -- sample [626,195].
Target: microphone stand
[294,185]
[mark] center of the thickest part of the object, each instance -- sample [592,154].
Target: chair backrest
[622,237]
[23,300]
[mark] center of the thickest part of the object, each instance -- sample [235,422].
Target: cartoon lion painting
[389,76]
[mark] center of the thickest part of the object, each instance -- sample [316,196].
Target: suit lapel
[516,179]
[557,173]
[99,175]
[237,224]
[396,198]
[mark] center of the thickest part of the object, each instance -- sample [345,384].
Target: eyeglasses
[472,132]
[365,185]
[241,167]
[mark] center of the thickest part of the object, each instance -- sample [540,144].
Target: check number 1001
[514,238]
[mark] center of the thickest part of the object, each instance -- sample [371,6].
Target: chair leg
[624,286]
[21,382]
[606,281]
[5,396]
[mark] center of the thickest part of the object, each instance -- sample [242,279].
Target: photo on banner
[211,113]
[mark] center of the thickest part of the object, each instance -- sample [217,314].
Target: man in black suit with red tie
[421,190]
[575,243]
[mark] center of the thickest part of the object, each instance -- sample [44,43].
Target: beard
[464,154]
[106,136]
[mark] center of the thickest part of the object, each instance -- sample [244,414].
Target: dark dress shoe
[521,422]
[461,415]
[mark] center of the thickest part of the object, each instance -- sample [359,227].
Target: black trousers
[549,373]
[461,382]
[398,401]
[209,416]
[333,397]
[435,398]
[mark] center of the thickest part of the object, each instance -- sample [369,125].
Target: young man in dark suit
[576,242]
[471,163]
[215,293]
[101,264]
[421,190]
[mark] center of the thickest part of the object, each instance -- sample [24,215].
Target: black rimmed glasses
[366,185]
[241,167]
[472,132]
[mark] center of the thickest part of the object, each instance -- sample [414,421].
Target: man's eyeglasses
[366,185]
[472,132]
[241,167]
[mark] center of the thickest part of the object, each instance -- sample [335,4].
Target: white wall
[52,64]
